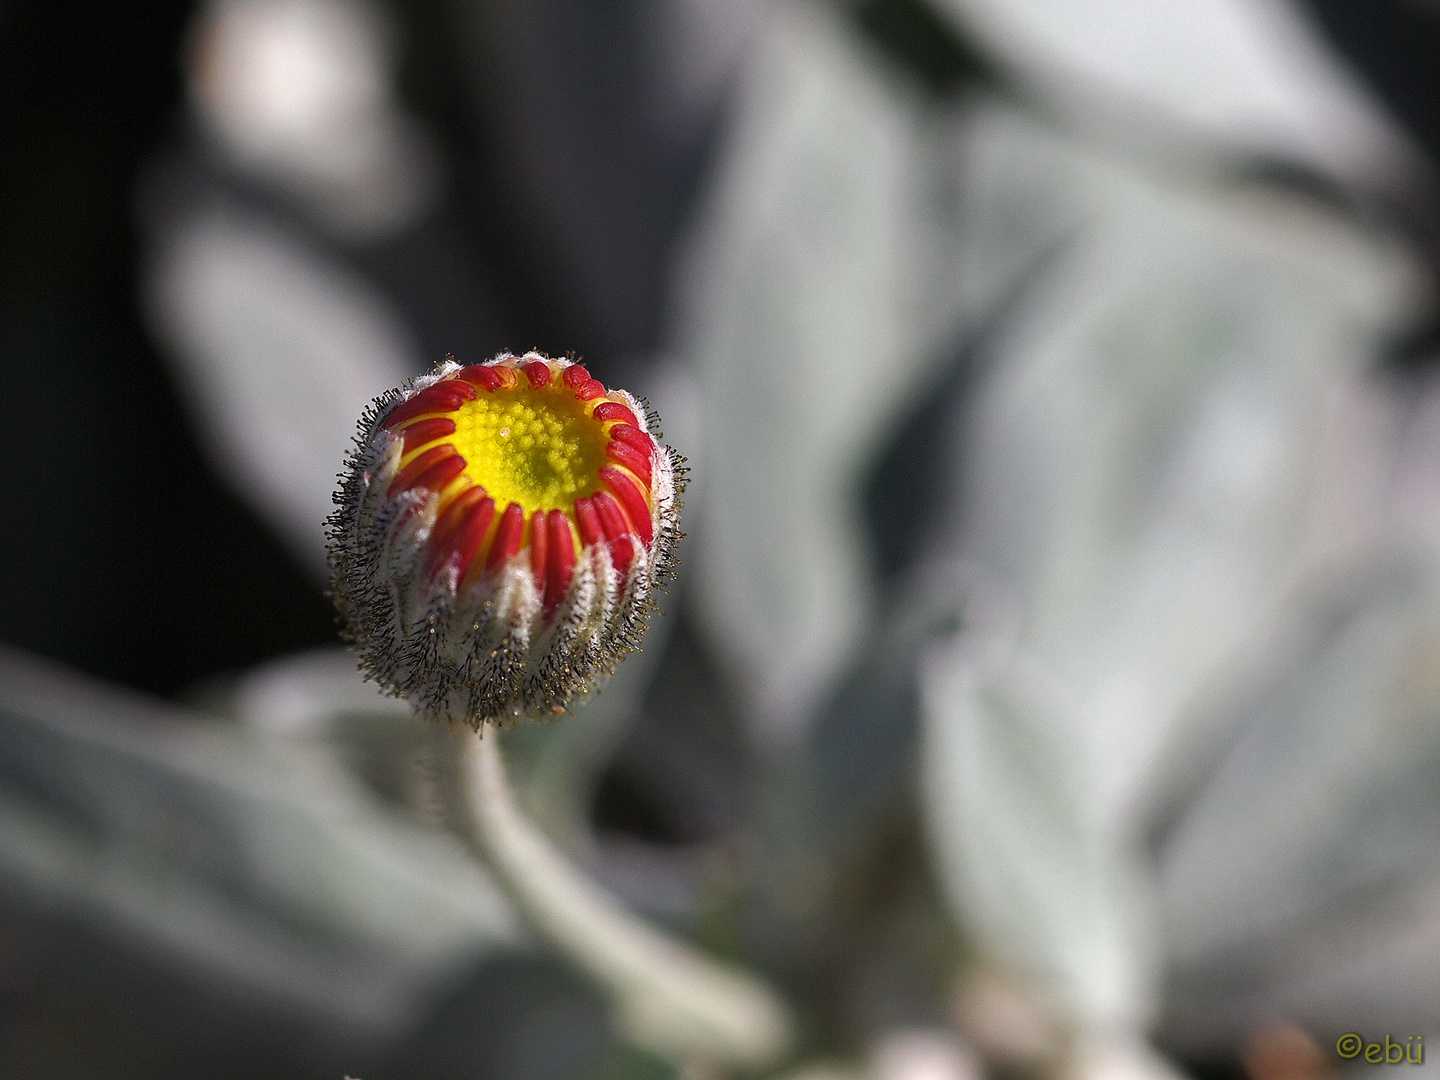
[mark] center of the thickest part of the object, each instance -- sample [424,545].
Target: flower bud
[500,533]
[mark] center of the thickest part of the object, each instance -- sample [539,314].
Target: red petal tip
[612,521]
[508,537]
[622,552]
[539,547]
[433,469]
[457,386]
[449,520]
[632,459]
[437,399]
[613,410]
[588,522]
[560,564]
[616,529]
[633,436]
[482,376]
[424,431]
[631,499]
[460,531]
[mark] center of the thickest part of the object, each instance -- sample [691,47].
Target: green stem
[668,997]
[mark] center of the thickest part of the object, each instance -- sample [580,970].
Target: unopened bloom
[500,531]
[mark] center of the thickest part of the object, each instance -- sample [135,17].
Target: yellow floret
[538,448]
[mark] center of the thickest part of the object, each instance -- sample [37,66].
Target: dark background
[123,554]
[120,552]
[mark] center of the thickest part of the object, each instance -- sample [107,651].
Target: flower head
[500,531]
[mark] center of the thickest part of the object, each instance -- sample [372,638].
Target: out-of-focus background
[1052,686]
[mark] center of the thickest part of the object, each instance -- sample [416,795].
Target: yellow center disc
[538,448]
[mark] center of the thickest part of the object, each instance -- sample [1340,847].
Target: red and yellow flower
[500,533]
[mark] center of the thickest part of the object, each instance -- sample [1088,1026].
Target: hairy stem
[667,996]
